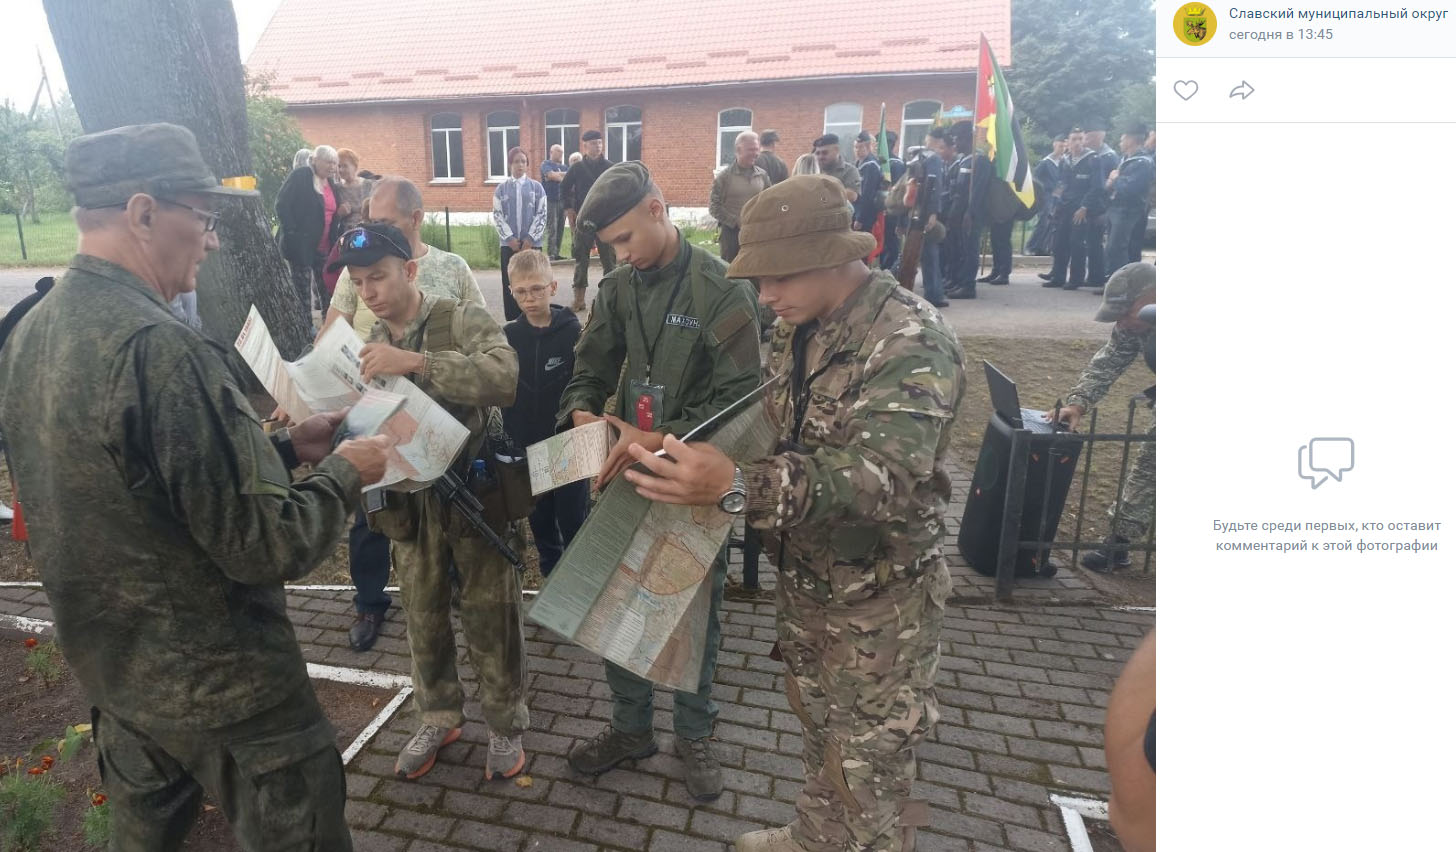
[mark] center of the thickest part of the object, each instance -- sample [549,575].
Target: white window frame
[503,131]
[906,123]
[843,129]
[561,132]
[454,172]
[735,129]
[625,127]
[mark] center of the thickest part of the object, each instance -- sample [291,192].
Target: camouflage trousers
[490,619]
[1133,515]
[277,778]
[862,662]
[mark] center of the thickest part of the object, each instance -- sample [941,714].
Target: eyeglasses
[524,293]
[363,238]
[209,218]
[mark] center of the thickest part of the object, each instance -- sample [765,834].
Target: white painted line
[359,677]
[1151,609]
[1074,811]
[28,625]
[332,588]
[19,584]
[373,727]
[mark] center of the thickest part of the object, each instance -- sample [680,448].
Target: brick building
[439,96]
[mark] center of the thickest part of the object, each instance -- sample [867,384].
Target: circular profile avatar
[1195,24]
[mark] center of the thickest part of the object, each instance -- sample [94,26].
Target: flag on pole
[995,113]
[882,143]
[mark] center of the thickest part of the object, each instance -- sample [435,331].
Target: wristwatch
[735,499]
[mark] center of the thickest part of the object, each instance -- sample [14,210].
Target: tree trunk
[143,61]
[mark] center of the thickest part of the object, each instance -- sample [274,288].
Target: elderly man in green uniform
[855,499]
[164,521]
[688,336]
[1128,291]
[455,352]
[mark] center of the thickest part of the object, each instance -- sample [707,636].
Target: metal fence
[1024,444]
[51,241]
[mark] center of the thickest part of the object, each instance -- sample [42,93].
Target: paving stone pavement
[1022,691]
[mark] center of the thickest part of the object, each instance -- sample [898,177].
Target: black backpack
[11,319]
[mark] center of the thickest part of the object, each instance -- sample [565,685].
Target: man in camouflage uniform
[857,497]
[455,352]
[688,337]
[1129,290]
[164,522]
[826,153]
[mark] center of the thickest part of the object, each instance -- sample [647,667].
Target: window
[624,134]
[502,133]
[916,122]
[843,120]
[447,146]
[731,122]
[563,127]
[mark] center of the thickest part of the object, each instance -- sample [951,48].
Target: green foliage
[96,825]
[44,662]
[49,242]
[27,810]
[31,159]
[1075,61]
[273,138]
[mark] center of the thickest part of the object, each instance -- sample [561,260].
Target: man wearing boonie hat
[676,341]
[853,503]
[580,178]
[1128,291]
[164,522]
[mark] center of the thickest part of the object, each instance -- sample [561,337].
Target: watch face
[733,502]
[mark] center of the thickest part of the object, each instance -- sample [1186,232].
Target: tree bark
[143,61]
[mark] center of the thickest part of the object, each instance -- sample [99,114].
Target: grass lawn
[1044,370]
[50,243]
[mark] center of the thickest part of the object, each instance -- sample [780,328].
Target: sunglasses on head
[362,238]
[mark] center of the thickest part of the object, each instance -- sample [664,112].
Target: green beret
[618,190]
[161,160]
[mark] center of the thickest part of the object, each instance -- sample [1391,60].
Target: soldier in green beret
[854,503]
[688,337]
[164,522]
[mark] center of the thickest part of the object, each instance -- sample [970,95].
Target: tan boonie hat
[1123,289]
[800,224]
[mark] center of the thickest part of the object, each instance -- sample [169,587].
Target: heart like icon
[1185,89]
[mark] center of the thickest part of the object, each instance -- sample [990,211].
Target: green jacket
[162,520]
[706,354]
[883,376]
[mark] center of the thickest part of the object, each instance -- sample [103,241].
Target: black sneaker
[365,630]
[609,748]
[701,773]
[1109,557]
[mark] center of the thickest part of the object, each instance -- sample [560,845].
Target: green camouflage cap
[1123,289]
[161,160]
[618,190]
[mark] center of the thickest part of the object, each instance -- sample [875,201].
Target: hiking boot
[1108,558]
[609,748]
[700,769]
[506,758]
[418,755]
[578,301]
[365,631]
[768,840]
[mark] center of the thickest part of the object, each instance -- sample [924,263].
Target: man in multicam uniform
[1129,290]
[164,522]
[457,354]
[856,497]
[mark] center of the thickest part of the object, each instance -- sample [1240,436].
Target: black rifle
[453,491]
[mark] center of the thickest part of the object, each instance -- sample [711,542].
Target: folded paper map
[427,438]
[569,456]
[634,584]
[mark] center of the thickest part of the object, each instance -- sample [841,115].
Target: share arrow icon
[1242,90]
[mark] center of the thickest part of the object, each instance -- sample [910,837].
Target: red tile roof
[435,49]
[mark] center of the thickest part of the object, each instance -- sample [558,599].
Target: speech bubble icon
[1333,457]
